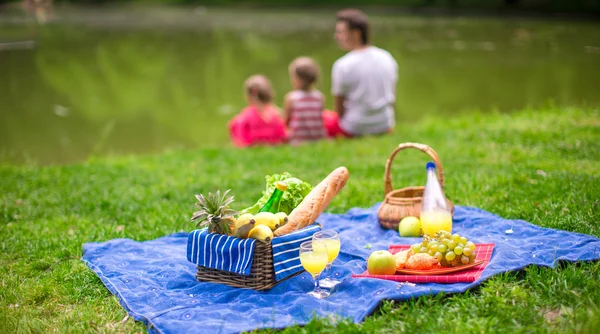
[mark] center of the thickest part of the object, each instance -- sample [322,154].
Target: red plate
[463,274]
[440,271]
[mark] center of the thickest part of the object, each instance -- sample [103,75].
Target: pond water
[142,80]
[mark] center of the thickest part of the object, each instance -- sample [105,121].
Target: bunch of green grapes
[449,249]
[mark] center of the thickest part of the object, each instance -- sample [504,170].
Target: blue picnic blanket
[155,282]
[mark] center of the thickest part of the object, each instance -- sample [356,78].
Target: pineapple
[215,213]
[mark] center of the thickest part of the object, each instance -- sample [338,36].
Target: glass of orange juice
[435,221]
[332,241]
[314,258]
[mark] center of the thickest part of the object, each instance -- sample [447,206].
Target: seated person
[259,123]
[304,105]
[363,81]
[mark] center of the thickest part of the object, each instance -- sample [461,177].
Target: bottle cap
[281,186]
[430,165]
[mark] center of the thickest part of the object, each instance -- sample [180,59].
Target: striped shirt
[305,119]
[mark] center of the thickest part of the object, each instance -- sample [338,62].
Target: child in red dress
[259,123]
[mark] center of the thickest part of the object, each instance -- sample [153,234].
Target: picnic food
[243,220]
[407,259]
[450,250]
[315,202]
[243,225]
[267,218]
[272,204]
[283,218]
[410,227]
[421,261]
[401,258]
[294,194]
[284,195]
[252,264]
[261,232]
[215,212]
[242,231]
[381,263]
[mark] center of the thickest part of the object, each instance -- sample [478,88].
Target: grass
[537,165]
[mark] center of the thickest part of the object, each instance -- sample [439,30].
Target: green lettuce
[292,196]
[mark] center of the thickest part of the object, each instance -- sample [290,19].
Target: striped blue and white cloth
[235,255]
[286,251]
[219,251]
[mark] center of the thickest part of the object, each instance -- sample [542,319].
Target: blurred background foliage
[100,81]
[581,6]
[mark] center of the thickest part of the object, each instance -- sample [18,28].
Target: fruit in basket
[243,220]
[215,212]
[381,263]
[283,218]
[268,219]
[410,227]
[243,231]
[261,232]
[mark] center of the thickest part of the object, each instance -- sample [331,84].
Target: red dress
[250,127]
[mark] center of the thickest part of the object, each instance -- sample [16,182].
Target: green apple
[381,263]
[410,227]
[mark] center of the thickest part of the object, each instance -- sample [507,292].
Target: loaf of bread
[315,202]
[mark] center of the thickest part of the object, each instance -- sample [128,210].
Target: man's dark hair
[356,20]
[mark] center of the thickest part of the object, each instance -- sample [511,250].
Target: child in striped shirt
[303,107]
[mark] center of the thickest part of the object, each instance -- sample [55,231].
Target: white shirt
[367,80]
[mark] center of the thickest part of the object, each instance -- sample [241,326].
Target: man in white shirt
[363,80]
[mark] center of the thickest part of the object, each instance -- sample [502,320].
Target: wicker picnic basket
[405,202]
[262,276]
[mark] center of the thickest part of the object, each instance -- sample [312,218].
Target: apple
[381,263]
[410,227]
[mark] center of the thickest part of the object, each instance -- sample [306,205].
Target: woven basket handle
[421,147]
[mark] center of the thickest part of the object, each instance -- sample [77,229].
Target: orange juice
[432,222]
[333,248]
[314,262]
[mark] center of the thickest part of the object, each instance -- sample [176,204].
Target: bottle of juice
[435,211]
[272,204]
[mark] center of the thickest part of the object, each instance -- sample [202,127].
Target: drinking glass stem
[317,287]
[327,270]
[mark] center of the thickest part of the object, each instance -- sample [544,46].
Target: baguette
[315,202]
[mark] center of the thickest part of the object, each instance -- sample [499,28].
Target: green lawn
[537,165]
